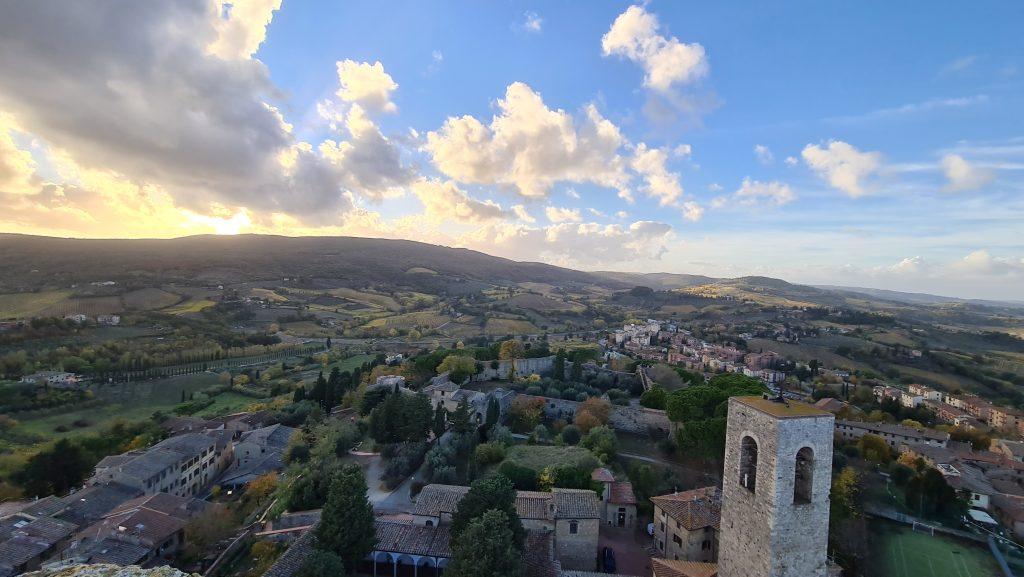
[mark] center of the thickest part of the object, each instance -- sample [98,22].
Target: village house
[894,435]
[182,465]
[686,524]
[1006,419]
[571,516]
[28,538]
[257,453]
[138,532]
[53,379]
[617,499]
[926,393]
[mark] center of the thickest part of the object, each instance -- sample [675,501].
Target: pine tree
[346,524]
[576,372]
[460,418]
[493,413]
[319,392]
[558,367]
[495,492]
[486,548]
[299,394]
[440,416]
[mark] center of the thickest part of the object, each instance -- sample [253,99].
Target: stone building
[775,494]
[571,516]
[686,524]
[618,501]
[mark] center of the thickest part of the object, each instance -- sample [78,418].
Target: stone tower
[775,489]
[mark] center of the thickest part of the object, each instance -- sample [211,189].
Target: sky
[870,144]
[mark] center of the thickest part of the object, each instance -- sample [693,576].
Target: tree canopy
[490,493]
[346,524]
[487,547]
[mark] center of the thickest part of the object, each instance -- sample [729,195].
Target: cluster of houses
[664,341]
[134,509]
[55,380]
[991,481]
[964,410]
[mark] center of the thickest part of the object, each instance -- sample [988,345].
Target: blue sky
[857,143]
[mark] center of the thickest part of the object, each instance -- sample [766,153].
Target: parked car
[608,560]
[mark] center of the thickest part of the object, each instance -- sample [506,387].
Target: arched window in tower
[748,463]
[804,476]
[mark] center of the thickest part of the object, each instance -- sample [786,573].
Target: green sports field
[898,551]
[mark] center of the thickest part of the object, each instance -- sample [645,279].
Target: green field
[901,552]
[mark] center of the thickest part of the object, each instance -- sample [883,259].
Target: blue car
[609,560]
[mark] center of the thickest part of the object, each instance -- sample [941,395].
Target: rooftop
[694,509]
[671,568]
[783,410]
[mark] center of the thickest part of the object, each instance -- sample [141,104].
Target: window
[705,546]
[748,463]
[430,523]
[574,527]
[677,540]
[804,476]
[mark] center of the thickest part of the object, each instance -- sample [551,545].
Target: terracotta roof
[532,504]
[292,560]
[436,499]
[622,493]
[575,504]
[670,568]
[602,475]
[830,404]
[693,509]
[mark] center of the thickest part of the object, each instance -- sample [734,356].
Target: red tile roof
[693,509]
[622,493]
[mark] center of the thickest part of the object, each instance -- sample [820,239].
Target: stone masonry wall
[524,367]
[579,551]
[764,533]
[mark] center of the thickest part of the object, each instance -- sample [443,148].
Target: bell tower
[775,489]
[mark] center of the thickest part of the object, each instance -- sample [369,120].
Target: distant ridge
[918,298]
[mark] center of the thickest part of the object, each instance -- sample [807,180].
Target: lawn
[349,363]
[539,457]
[228,403]
[901,552]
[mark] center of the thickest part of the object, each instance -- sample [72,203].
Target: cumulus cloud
[242,27]
[962,175]
[692,211]
[162,94]
[529,147]
[981,263]
[792,161]
[522,214]
[764,154]
[562,214]
[843,166]
[445,201]
[754,191]
[366,84]
[659,183]
[665,60]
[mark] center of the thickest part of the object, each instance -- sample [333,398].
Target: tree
[299,394]
[576,372]
[874,449]
[558,366]
[525,413]
[571,435]
[458,367]
[460,418]
[440,420]
[510,350]
[319,392]
[654,398]
[490,493]
[487,547]
[321,563]
[602,442]
[56,470]
[493,413]
[347,525]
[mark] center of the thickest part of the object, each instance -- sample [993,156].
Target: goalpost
[924,528]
